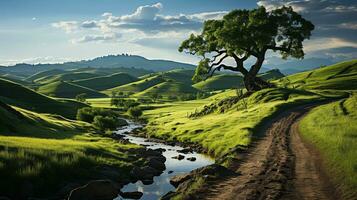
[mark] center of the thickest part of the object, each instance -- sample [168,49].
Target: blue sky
[50,31]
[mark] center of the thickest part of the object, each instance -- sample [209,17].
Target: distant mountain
[110,61]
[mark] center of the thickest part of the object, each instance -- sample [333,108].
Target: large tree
[242,34]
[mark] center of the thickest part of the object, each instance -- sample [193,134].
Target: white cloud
[97,38]
[327,43]
[67,26]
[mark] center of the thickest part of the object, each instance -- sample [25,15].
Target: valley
[38,122]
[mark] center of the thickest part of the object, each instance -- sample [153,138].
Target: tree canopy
[242,34]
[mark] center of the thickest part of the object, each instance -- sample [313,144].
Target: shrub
[105,123]
[135,112]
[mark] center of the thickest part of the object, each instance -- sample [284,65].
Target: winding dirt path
[279,166]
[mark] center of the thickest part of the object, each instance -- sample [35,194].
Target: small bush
[135,112]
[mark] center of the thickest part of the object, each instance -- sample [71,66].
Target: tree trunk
[253,83]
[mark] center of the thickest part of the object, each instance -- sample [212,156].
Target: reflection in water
[161,183]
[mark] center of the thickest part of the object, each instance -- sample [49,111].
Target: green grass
[20,96]
[137,86]
[67,90]
[45,73]
[230,81]
[68,76]
[332,129]
[168,89]
[340,76]
[46,152]
[221,132]
[106,82]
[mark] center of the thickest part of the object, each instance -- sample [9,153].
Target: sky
[50,31]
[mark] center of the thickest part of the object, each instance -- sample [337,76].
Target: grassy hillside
[67,90]
[106,82]
[41,153]
[15,79]
[44,74]
[332,129]
[138,86]
[225,131]
[66,77]
[340,76]
[15,94]
[136,72]
[229,81]
[167,88]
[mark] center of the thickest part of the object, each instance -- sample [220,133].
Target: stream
[161,184]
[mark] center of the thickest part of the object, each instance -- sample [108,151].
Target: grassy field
[68,76]
[106,82]
[23,97]
[67,90]
[341,76]
[168,89]
[332,128]
[230,81]
[46,73]
[137,86]
[217,132]
[42,153]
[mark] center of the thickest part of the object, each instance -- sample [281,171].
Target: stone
[177,180]
[191,159]
[179,157]
[157,164]
[185,150]
[94,190]
[170,172]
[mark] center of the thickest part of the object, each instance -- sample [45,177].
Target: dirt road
[279,166]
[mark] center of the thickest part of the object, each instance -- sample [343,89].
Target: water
[161,184]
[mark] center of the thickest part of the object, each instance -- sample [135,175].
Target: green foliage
[124,103]
[81,97]
[104,123]
[88,114]
[201,72]
[135,112]
[244,33]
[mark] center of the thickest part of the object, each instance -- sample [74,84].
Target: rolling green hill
[46,73]
[136,72]
[20,96]
[66,77]
[229,81]
[67,90]
[45,152]
[168,88]
[138,86]
[340,76]
[150,80]
[106,82]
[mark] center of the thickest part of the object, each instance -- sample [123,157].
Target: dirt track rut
[279,166]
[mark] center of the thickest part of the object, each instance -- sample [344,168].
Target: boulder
[144,173]
[170,172]
[185,150]
[96,190]
[131,195]
[191,159]
[157,163]
[179,157]
[177,180]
